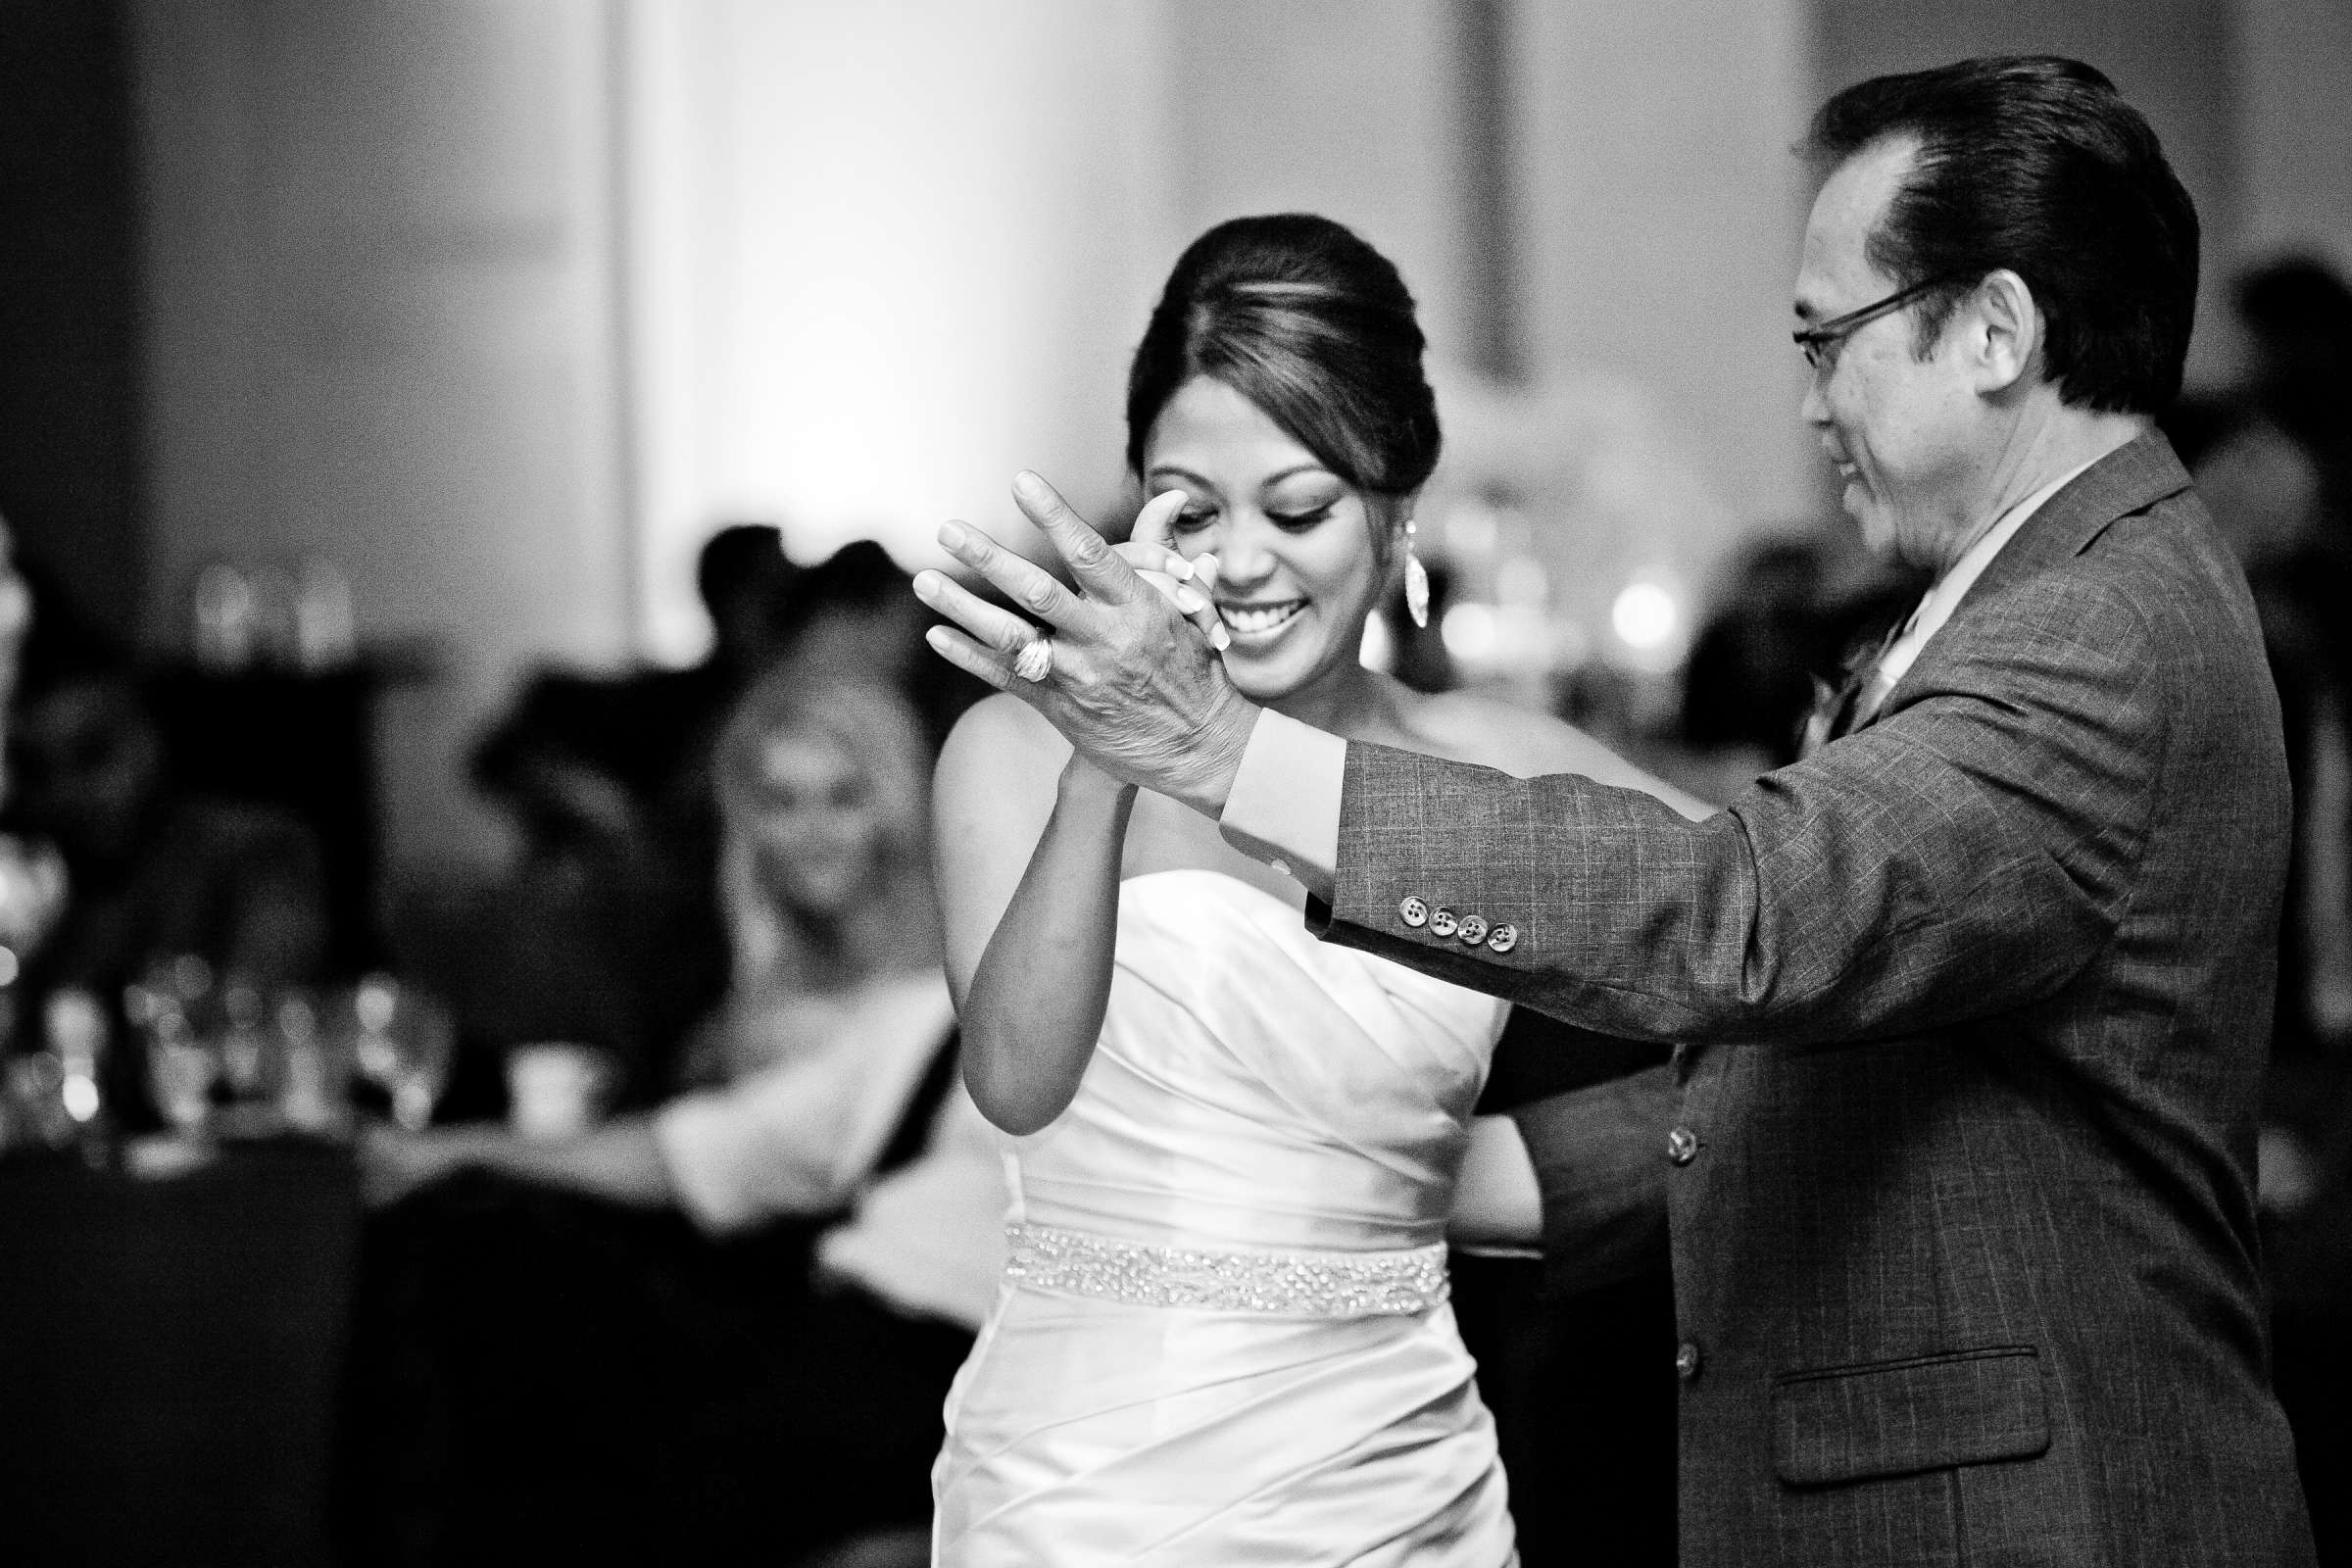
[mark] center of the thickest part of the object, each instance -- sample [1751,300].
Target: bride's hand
[1186,584]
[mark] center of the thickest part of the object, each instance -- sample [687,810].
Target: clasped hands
[1132,681]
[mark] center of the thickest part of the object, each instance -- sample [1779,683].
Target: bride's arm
[1029,840]
[1497,1201]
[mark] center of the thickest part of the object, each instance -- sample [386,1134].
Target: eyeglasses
[1820,343]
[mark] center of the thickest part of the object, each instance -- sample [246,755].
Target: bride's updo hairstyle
[1314,326]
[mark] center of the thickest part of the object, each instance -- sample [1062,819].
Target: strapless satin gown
[1223,1337]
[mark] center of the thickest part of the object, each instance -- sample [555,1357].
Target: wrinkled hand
[1133,686]
[1186,584]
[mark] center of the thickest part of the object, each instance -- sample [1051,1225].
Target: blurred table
[168,1357]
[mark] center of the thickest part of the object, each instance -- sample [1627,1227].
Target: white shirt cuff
[1284,808]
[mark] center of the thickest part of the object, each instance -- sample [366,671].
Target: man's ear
[2005,338]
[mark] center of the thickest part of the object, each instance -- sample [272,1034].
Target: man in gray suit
[1973,1001]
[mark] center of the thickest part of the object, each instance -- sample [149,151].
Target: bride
[1223,1335]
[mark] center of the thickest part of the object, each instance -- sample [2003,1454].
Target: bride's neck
[1352,701]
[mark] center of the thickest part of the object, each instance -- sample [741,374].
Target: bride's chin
[1270,681]
[1260,690]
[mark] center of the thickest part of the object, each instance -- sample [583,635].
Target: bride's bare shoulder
[1001,744]
[1493,734]
[1528,743]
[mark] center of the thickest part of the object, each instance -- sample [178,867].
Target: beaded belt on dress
[1399,1284]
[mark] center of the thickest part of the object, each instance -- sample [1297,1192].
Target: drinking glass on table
[314,1080]
[182,1070]
[402,1040]
[167,1008]
[33,1102]
[248,1054]
[252,1061]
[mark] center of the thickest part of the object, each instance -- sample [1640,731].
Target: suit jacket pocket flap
[1892,1419]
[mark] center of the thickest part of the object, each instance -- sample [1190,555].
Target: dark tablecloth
[168,1356]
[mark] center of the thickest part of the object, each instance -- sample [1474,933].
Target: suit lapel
[2131,478]
[1834,707]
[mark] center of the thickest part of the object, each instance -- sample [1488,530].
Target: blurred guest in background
[2276,471]
[154,871]
[1786,625]
[664,721]
[597,750]
[745,581]
[603,930]
[31,874]
[2278,478]
[854,614]
[614,1333]
[1750,678]
[839,619]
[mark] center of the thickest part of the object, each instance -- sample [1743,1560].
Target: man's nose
[1815,408]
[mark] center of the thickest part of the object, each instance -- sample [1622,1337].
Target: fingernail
[926,583]
[1180,568]
[1028,485]
[1205,565]
[1219,638]
[952,535]
[1189,601]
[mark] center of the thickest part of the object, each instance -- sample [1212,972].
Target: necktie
[1876,682]
[1838,708]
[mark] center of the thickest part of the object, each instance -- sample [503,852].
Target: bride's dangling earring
[1416,578]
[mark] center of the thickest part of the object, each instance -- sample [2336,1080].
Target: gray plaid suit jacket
[1973,1007]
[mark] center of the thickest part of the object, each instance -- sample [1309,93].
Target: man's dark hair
[2035,163]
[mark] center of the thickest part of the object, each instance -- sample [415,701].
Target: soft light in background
[503,305]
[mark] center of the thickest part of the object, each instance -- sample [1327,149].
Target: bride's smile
[1254,622]
[1300,556]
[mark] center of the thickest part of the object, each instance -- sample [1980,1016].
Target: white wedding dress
[1222,1337]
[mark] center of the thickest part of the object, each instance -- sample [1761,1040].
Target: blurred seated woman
[727,1324]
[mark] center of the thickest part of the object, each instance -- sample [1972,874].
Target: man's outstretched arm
[1965,856]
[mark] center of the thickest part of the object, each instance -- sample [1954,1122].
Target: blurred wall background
[503,305]
[379,279]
